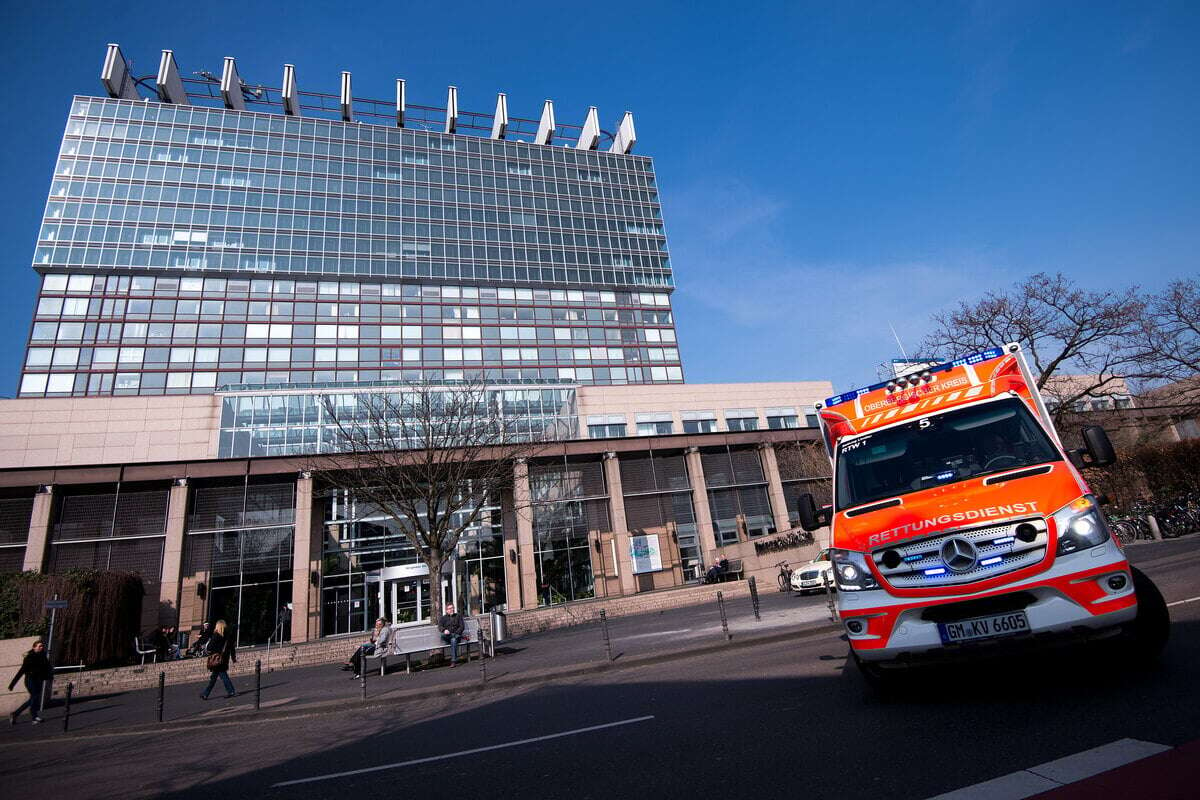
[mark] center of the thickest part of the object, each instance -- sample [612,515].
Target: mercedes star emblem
[959,555]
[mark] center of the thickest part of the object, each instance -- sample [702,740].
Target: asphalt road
[776,720]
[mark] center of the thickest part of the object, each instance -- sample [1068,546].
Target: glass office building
[188,247]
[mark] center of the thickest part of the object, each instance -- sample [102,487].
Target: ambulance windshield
[937,450]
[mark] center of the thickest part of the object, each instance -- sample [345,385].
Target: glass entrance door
[405,600]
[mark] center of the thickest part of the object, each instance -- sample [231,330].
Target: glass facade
[15,514]
[569,497]
[291,423]
[187,248]
[239,543]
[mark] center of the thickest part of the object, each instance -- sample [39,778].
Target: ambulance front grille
[998,550]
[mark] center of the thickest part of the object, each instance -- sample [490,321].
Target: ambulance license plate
[984,627]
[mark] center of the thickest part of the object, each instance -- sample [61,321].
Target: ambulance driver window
[940,449]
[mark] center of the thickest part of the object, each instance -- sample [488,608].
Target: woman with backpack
[220,651]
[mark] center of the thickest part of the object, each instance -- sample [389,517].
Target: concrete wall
[107,430]
[715,397]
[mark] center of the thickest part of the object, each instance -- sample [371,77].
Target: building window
[570,503]
[737,493]
[655,424]
[742,424]
[606,431]
[699,425]
[781,422]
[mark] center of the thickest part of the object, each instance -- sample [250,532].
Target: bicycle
[785,576]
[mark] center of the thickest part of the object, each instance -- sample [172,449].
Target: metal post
[724,619]
[482,668]
[754,597]
[829,596]
[67,706]
[1155,531]
[257,684]
[604,630]
[48,686]
[362,676]
[162,687]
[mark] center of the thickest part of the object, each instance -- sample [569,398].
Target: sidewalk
[520,661]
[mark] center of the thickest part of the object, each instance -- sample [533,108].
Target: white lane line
[1060,772]
[1181,602]
[656,633]
[426,760]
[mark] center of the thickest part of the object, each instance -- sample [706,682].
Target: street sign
[56,604]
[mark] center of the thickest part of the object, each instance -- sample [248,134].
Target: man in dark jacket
[36,669]
[452,627]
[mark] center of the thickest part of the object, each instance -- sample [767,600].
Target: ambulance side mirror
[1098,446]
[811,517]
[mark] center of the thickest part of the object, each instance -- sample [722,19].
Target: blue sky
[827,170]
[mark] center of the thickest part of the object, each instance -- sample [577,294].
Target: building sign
[645,554]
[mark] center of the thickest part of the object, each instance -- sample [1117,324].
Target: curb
[388,697]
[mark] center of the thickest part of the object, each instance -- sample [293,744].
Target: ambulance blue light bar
[974,358]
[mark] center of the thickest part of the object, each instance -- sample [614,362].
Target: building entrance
[401,593]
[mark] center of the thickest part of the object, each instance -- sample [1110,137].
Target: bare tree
[807,461]
[1061,326]
[430,457]
[1168,344]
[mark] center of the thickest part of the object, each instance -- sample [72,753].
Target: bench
[408,641]
[735,572]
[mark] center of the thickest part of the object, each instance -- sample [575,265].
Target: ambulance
[962,526]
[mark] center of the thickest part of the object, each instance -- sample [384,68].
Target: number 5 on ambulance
[961,526]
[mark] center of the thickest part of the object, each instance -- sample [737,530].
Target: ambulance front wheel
[1144,639]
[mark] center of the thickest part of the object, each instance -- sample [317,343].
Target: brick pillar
[172,566]
[306,559]
[524,512]
[37,545]
[616,500]
[704,523]
[775,487]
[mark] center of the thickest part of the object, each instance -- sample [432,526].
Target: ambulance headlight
[1080,526]
[850,571]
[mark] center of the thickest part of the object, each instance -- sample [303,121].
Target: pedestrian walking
[220,652]
[35,668]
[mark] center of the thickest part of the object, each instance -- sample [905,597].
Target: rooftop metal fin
[170,85]
[115,75]
[452,109]
[400,102]
[347,98]
[589,137]
[289,92]
[626,136]
[231,86]
[500,121]
[545,131]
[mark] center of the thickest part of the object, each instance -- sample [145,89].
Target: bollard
[604,629]
[362,676]
[67,706]
[754,597]
[724,619]
[162,687]
[483,668]
[257,684]
[829,596]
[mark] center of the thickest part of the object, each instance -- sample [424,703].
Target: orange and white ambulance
[961,525]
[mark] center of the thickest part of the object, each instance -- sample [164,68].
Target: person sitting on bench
[452,627]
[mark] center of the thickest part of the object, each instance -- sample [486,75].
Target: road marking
[1181,602]
[656,633]
[426,760]
[1060,772]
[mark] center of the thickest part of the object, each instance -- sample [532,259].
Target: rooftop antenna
[897,338]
